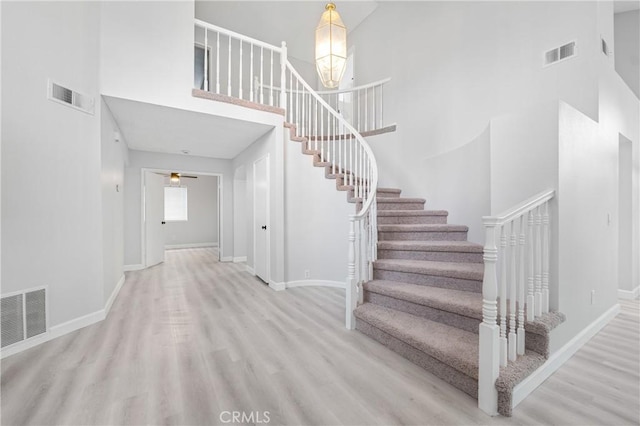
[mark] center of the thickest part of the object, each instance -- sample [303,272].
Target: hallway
[192,339]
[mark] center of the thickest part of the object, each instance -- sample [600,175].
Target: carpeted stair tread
[514,373]
[436,227]
[455,301]
[405,213]
[388,190]
[452,346]
[400,200]
[455,246]
[465,271]
[544,324]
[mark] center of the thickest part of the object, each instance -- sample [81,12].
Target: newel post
[489,332]
[351,296]
[283,76]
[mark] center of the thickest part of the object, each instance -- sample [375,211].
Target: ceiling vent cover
[71,98]
[561,53]
[23,315]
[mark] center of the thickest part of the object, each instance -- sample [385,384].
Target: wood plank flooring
[191,339]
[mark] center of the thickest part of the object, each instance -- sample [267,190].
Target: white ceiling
[276,21]
[148,127]
[621,6]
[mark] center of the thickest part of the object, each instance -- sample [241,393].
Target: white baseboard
[239,259]
[315,283]
[226,259]
[629,294]
[114,294]
[251,271]
[277,286]
[555,361]
[137,267]
[190,245]
[53,332]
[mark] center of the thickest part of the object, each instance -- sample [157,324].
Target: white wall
[114,156]
[241,203]
[627,48]
[182,163]
[146,54]
[202,209]
[51,167]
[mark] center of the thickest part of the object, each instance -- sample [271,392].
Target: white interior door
[261,218]
[154,218]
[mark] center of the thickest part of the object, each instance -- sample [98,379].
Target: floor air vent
[68,97]
[560,53]
[23,315]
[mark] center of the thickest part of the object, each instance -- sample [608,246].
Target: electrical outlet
[593,297]
[307,273]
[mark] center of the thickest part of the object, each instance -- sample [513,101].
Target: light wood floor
[192,338]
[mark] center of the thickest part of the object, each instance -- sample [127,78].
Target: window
[175,203]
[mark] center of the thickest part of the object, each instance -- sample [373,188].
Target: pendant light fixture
[175,179]
[331,47]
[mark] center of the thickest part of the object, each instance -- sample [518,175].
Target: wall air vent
[68,97]
[23,315]
[561,53]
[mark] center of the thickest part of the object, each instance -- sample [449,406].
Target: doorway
[203,209]
[261,229]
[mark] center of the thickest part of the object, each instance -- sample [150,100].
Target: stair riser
[432,365]
[387,194]
[411,220]
[423,236]
[400,206]
[432,314]
[429,280]
[436,256]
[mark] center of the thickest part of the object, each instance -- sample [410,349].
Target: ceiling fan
[174,178]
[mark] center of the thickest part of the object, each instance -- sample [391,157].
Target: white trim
[629,294]
[251,271]
[56,331]
[266,158]
[277,286]
[114,294]
[190,245]
[528,385]
[226,259]
[239,259]
[315,283]
[137,267]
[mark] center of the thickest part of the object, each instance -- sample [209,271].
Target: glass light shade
[331,47]
[175,179]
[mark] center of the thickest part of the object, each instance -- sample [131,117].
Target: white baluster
[283,76]
[538,263]
[513,346]
[531,308]
[351,293]
[206,60]
[489,332]
[262,75]
[271,81]
[218,63]
[229,70]
[373,109]
[252,78]
[333,145]
[503,297]
[381,106]
[366,108]
[545,259]
[298,107]
[322,134]
[521,285]
[315,145]
[240,73]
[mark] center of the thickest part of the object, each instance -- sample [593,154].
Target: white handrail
[355,89]
[255,42]
[518,233]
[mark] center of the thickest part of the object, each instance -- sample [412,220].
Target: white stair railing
[240,67]
[516,282]
[362,106]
